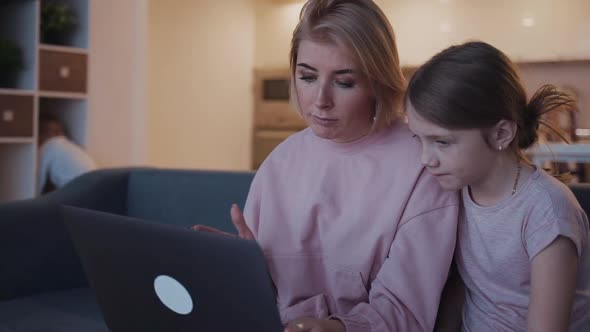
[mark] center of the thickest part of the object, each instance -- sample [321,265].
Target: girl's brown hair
[475,85]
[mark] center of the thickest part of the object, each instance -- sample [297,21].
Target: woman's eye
[345,85]
[442,142]
[307,79]
[415,137]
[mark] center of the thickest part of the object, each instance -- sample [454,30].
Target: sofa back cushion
[582,193]
[187,197]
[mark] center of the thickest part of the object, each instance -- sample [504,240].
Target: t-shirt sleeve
[560,215]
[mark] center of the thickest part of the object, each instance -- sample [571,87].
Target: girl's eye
[415,136]
[442,142]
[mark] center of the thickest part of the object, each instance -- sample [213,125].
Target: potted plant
[58,21]
[11,62]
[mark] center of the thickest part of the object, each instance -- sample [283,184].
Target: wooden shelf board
[65,49]
[19,92]
[62,95]
[16,140]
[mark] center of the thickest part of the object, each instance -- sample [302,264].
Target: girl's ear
[502,134]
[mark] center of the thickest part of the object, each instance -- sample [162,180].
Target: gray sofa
[42,284]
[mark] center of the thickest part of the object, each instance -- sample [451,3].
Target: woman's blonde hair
[362,28]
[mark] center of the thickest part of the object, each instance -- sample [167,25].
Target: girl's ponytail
[547,99]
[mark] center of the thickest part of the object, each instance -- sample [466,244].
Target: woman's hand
[315,325]
[239,222]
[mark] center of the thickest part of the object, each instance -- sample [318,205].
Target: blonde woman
[358,236]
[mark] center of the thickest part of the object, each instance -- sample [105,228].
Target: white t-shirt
[60,161]
[496,245]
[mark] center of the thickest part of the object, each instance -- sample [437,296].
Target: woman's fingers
[203,228]
[237,218]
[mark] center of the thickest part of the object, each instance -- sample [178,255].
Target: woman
[357,235]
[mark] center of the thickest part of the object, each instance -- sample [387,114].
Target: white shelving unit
[54,79]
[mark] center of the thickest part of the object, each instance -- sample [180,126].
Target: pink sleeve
[314,306]
[406,292]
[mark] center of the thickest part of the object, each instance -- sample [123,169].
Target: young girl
[522,248]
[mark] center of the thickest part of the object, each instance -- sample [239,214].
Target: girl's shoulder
[554,211]
[547,190]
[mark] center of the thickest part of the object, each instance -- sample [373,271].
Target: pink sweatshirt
[358,231]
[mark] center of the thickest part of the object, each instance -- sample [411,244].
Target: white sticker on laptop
[173,295]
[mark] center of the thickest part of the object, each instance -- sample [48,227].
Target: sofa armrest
[36,254]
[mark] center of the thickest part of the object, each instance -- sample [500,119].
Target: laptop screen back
[155,277]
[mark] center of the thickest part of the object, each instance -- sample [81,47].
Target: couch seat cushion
[64,311]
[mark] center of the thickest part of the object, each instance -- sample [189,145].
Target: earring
[499,147]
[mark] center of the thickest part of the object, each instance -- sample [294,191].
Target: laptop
[156,277]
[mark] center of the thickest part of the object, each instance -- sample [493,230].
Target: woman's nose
[323,98]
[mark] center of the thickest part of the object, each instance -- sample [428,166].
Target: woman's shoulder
[426,193]
[398,132]
[293,141]
[397,139]
[286,151]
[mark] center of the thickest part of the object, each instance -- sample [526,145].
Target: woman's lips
[324,121]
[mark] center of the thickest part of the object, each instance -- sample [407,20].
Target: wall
[274,26]
[560,29]
[524,29]
[116,130]
[200,78]
[573,76]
